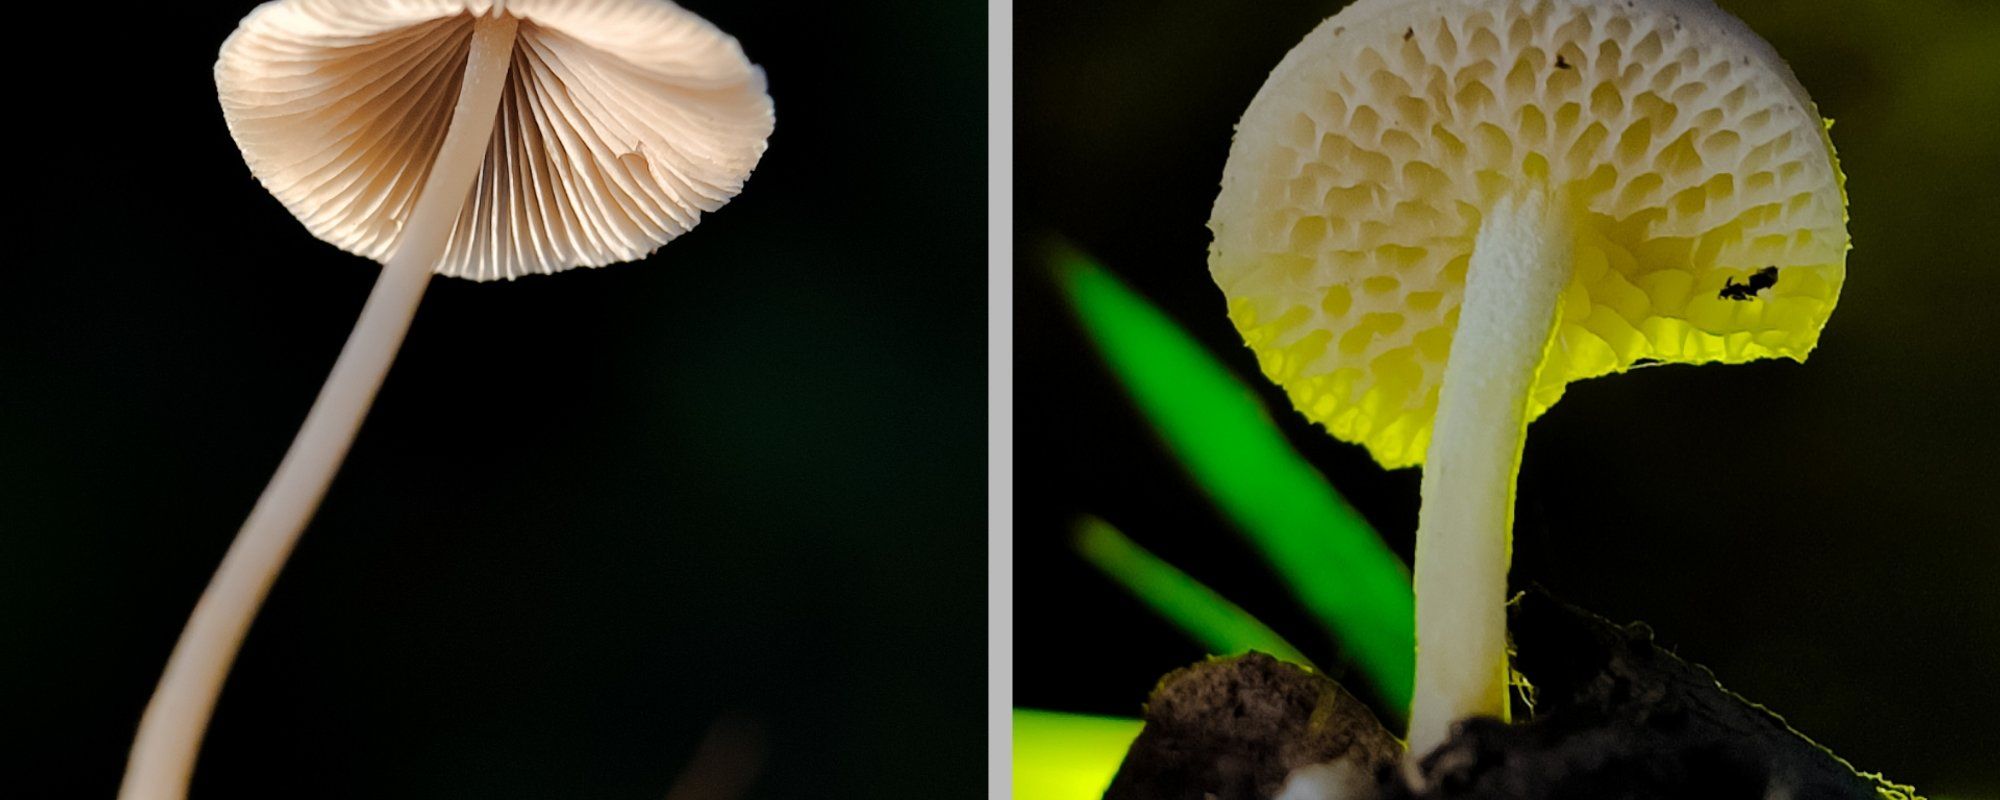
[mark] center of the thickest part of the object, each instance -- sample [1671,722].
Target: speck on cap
[1687,154]
[621,122]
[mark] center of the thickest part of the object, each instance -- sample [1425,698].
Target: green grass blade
[1215,425]
[1219,625]
[1067,756]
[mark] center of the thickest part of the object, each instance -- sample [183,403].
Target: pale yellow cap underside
[621,123]
[1685,150]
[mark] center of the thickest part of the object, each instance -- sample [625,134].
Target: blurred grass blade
[1219,625]
[1325,551]
[1067,756]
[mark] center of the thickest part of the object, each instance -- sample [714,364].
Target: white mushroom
[1438,213]
[474,138]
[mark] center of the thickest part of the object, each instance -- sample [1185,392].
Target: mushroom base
[1615,715]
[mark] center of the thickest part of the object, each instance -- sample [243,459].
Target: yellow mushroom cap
[1685,152]
[622,121]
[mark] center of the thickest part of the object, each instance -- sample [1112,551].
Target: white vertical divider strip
[1000,395]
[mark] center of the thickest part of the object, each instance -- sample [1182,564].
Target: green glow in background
[1329,556]
[1067,756]
[1219,625]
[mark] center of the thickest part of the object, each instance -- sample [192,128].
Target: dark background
[590,514]
[1824,536]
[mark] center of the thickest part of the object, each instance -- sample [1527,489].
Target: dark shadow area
[591,513]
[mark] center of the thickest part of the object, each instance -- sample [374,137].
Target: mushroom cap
[621,122]
[1684,151]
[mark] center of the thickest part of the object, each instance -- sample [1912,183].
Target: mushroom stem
[170,733]
[1519,266]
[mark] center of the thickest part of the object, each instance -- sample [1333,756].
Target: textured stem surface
[1520,264]
[170,733]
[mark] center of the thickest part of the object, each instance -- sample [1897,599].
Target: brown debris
[1232,728]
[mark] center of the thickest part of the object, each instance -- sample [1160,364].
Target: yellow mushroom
[472,138]
[1438,213]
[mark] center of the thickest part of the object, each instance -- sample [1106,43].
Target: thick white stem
[1520,264]
[170,733]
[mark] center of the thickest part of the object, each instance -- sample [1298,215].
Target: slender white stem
[170,733]
[1520,264]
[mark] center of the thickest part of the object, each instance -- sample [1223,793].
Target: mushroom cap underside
[622,121]
[1707,204]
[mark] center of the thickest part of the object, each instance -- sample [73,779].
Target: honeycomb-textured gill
[1686,153]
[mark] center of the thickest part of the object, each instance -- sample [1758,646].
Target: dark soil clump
[1614,717]
[1617,716]
[1233,728]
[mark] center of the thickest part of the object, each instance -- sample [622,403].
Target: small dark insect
[1561,63]
[1409,32]
[1759,281]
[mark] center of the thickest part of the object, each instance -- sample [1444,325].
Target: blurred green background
[590,514]
[1832,558]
